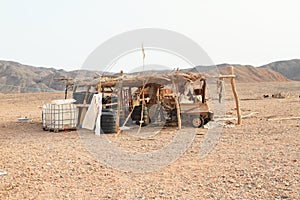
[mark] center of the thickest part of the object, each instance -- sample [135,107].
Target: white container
[59,117]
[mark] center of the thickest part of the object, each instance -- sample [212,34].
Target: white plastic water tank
[59,117]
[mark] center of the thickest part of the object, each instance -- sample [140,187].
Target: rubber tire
[206,120]
[197,122]
[108,122]
[108,130]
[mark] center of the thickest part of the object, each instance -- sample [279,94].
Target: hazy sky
[62,33]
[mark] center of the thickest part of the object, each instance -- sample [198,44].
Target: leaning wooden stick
[237,102]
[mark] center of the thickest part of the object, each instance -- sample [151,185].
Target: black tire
[197,122]
[206,120]
[106,131]
[108,122]
[108,118]
[108,127]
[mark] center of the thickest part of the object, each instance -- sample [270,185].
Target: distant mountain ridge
[244,73]
[288,68]
[248,73]
[16,77]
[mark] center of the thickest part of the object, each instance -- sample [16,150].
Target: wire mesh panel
[59,117]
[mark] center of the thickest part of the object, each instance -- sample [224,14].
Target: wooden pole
[143,93]
[204,91]
[178,112]
[119,103]
[237,102]
[130,104]
[129,115]
[177,104]
[66,91]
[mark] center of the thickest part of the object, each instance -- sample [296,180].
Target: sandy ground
[257,160]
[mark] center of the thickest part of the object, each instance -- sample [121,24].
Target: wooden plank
[193,107]
[223,76]
[82,105]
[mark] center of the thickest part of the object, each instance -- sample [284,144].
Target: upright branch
[143,93]
[119,101]
[237,102]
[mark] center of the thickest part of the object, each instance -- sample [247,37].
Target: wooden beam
[237,102]
[223,76]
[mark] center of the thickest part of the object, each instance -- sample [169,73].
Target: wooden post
[119,102]
[143,106]
[204,91]
[178,112]
[66,91]
[237,102]
[142,110]
[118,110]
[177,104]
[130,103]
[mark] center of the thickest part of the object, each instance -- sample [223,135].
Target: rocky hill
[16,77]
[244,73]
[248,73]
[289,68]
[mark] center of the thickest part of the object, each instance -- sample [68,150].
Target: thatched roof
[134,80]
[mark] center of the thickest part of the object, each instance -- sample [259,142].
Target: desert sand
[259,159]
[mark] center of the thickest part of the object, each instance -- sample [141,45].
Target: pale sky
[62,33]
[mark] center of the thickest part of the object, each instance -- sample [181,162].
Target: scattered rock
[3,173]
[284,197]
